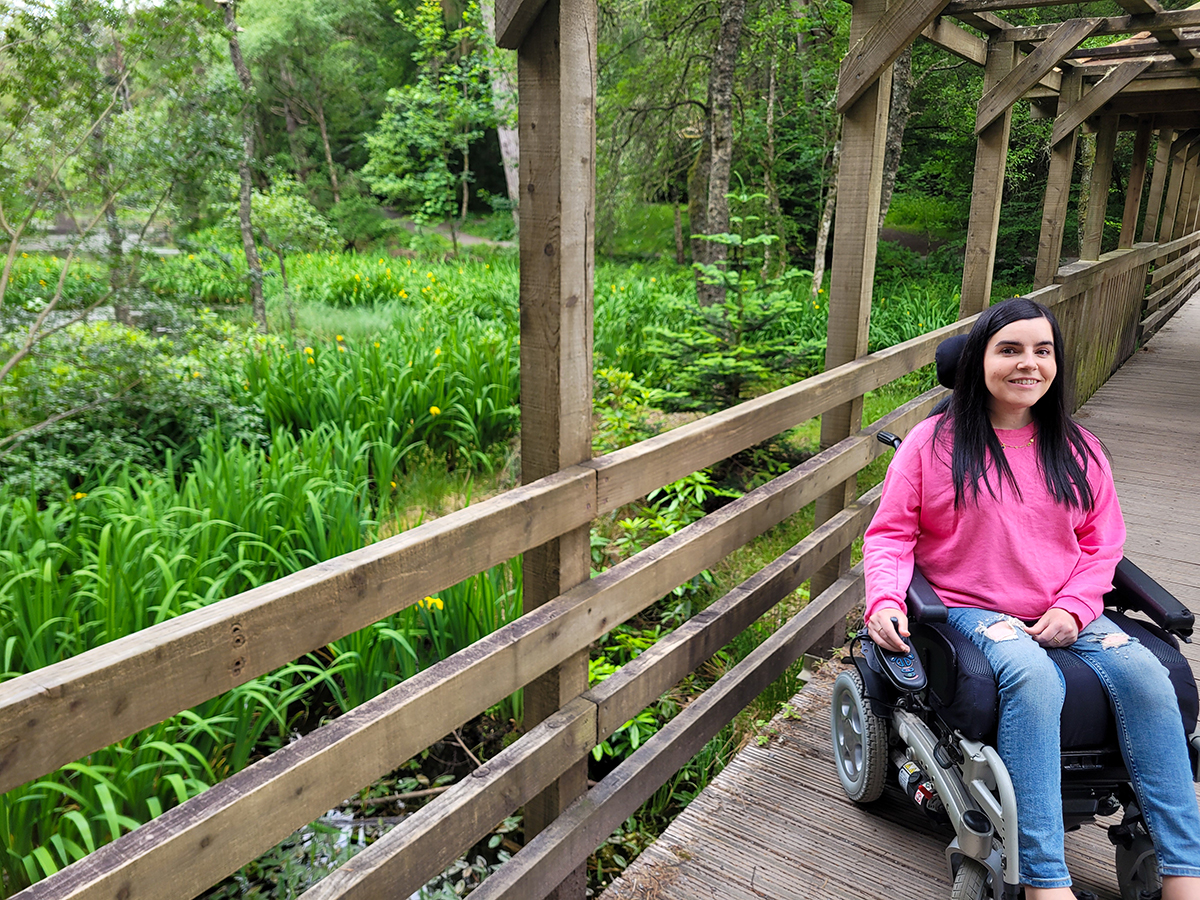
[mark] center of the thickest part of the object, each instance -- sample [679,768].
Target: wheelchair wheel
[970,881]
[860,740]
[1137,868]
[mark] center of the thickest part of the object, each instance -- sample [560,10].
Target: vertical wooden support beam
[852,277]
[1093,231]
[1158,183]
[1058,186]
[991,154]
[556,66]
[1179,150]
[1137,181]
[1188,192]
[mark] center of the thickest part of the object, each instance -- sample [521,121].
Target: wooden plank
[639,683]
[1175,186]
[402,861]
[1171,268]
[1132,48]
[1179,18]
[945,34]
[998,100]
[1164,250]
[1100,93]
[1188,224]
[514,18]
[58,714]
[192,846]
[1187,193]
[556,72]
[1158,182]
[991,156]
[1106,145]
[587,823]
[879,47]
[1058,189]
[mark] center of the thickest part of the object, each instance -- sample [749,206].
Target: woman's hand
[883,632]
[1056,628]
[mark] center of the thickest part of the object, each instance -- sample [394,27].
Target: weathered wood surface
[879,47]
[1106,145]
[1058,187]
[776,823]
[1158,184]
[1101,92]
[1179,18]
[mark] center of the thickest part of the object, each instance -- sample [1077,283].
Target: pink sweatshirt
[1016,556]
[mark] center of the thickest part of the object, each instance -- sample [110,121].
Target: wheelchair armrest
[924,605]
[1134,589]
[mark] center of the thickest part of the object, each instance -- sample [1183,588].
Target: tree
[430,122]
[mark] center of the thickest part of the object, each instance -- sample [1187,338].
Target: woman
[1010,510]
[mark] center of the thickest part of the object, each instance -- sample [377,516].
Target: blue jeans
[1148,725]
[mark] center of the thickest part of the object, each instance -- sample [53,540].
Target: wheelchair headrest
[946,359]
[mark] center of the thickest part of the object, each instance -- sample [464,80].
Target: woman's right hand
[884,633]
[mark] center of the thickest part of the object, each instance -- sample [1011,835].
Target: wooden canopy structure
[1106,303]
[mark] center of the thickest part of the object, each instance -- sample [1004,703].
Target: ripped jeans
[1149,727]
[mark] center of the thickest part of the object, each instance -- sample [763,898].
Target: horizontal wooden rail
[1172,267]
[403,860]
[190,847]
[542,863]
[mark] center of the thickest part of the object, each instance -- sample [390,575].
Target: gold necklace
[1028,443]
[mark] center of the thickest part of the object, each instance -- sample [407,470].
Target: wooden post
[1158,182]
[1093,232]
[991,153]
[1188,195]
[1058,186]
[852,277]
[556,70]
[1179,149]
[1137,181]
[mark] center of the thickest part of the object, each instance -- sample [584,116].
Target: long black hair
[1063,452]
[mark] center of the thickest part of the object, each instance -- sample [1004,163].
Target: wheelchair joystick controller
[904,670]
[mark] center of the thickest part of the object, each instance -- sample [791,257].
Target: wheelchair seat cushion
[963,689]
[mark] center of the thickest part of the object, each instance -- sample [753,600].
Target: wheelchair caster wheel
[860,740]
[1137,869]
[971,881]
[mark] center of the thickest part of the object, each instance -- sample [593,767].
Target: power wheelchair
[929,719]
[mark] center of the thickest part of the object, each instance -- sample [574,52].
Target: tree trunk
[898,110]
[1087,158]
[319,112]
[774,255]
[826,221]
[720,112]
[244,174]
[292,123]
[466,182]
[503,101]
[680,255]
[698,194]
[800,10]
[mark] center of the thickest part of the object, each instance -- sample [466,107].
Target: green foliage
[360,223]
[435,118]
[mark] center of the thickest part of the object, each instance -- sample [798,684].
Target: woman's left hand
[1057,628]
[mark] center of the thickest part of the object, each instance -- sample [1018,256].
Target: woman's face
[1018,367]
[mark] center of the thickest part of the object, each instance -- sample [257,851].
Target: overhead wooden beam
[1160,86]
[1142,104]
[1180,18]
[880,46]
[1106,145]
[513,21]
[943,33]
[1168,37]
[1159,68]
[1137,182]
[991,155]
[1099,94]
[1058,190]
[1158,182]
[556,72]
[1030,70]
[958,7]
[1135,48]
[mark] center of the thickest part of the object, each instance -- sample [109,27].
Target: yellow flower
[381,260]
[341,349]
[191,256]
[614,287]
[24,256]
[653,280]
[428,274]
[377,343]
[340,338]
[431,603]
[42,282]
[357,277]
[311,361]
[434,411]
[437,351]
[393,485]
[308,350]
[821,291]
[79,495]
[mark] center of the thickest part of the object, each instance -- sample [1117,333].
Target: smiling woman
[1019,367]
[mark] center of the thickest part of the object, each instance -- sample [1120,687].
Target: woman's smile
[1019,366]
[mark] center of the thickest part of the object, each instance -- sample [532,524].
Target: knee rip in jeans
[1001,630]
[1113,640]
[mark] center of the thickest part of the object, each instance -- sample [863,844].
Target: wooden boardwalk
[775,825]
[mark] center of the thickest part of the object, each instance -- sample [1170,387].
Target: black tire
[970,881]
[1137,868]
[860,740]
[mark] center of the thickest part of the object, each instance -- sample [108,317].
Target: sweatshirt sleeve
[1101,536]
[892,535]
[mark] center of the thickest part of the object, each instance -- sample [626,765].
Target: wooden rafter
[1180,18]
[1031,69]
[943,33]
[879,48]
[1167,37]
[958,7]
[513,21]
[1135,48]
[1101,93]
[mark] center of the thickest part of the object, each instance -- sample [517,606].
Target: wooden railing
[63,712]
